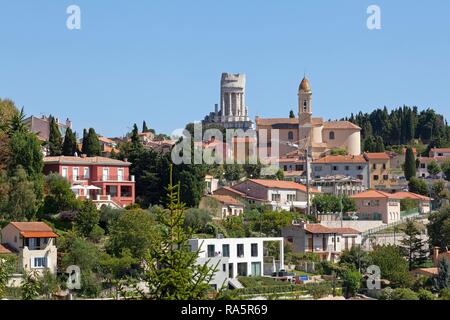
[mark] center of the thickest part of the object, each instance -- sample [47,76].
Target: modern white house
[240,257]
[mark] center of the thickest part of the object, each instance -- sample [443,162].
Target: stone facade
[233,113]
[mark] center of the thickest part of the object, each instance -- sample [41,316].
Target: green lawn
[252,282]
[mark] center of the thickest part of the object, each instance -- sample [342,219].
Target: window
[291,197]
[375,177]
[86,173]
[76,174]
[211,250]
[40,262]
[332,135]
[384,166]
[360,177]
[111,191]
[360,167]
[285,168]
[299,167]
[240,250]
[374,166]
[64,172]
[319,168]
[290,135]
[226,250]
[256,269]
[119,174]
[242,269]
[347,168]
[105,174]
[335,168]
[422,165]
[224,267]
[254,249]
[290,239]
[276,197]
[385,177]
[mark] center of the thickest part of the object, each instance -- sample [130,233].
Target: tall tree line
[401,125]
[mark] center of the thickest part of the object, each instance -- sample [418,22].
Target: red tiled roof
[342,159]
[340,125]
[34,229]
[273,121]
[318,228]
[226,200]
[372,194]
[410,195]
[85,161]
[4,249]
[377,156]
[280,184]
[232,190]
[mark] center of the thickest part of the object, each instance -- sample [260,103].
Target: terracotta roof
[438,159]
[373,194]
[341,159]
[106,140]
[426,271]
[280,184]
[410,195]
[226,200]
[291,160]
[340,125]
[85,161]
[232,190]
[34,229]
[376,156]
[4,249]
[272,121]
[318,228]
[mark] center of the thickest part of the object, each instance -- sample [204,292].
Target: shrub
[425,295]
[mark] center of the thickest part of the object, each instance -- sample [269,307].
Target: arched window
[290,135]
[332,135]
[305,105]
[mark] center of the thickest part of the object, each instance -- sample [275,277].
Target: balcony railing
[117,178]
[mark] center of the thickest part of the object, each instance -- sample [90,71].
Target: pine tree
[410,164]
[413,246]
[54,139]
[92,146]
[173,272]
[144,127]
[70,143]
[291,114]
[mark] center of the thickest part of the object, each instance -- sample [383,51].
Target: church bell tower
[304,102]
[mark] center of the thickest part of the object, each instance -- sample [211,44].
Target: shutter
[47,262]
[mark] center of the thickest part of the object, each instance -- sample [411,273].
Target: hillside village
[342,200]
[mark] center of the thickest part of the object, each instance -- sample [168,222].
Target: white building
[239,257]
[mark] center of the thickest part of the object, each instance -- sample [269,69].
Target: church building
[319,135]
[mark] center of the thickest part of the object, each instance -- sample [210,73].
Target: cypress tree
[144,127]
[70,143]
[410,164]
[54,139]
[291,114]
[83,146]
[92,146]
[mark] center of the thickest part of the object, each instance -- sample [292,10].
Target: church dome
[304,85]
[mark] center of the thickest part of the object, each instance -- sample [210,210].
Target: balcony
[112,178]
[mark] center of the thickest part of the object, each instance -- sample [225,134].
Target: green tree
[22,202]
[410,164]
[70,143]
[356,257]
[425,295]
[87,218]
[392,265]
[144,127]
[233,172]
[59,197]
[443,277]
[351,281]
[7,263]
[196,219]
[445,166]
[439,228]
[91,145]
[338,152]
[413,246]
[136,145]
[418,186]
[433,168]
[134,230]
[173,273]
[291,114]
[54,139]
[30,286]
[404,294]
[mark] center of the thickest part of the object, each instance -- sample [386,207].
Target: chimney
[436,256]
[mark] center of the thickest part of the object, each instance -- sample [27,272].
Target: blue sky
[161,60]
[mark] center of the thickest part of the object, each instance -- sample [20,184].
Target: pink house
[378,205]
[103,180]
